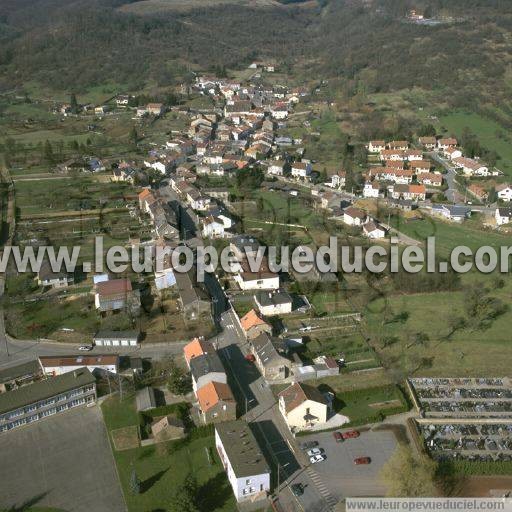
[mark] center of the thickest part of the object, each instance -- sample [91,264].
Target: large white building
[57,365]
[246,468]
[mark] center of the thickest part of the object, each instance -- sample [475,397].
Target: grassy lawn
[465,353]
[490,134]
[162,468]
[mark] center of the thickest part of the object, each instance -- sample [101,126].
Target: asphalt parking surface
[338,473]
[63,461]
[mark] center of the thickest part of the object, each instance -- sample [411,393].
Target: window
[248,481]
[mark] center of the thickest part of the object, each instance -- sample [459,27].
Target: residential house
[97,363]
[454,213]
[446,143]
[401,145]
[194,299]
[155,109]
[47,277]
[244,245]
[301,170]
[471,167]
[206,368]
[376,146]
[247,470]
[253,325]
[413,155]
[430,179]
[115,295]
[302,406]
[197,347]
[338,180]
[212,227]
[503,216]
[374,230]
[146,199]
[276,167]
[504,192]
[428,143]
[261,279]
[273,303]
[272,365]
[354,216]
[478,191]
[392,155]
[371,189]
[452,153]
[412,192]
[420,166]
[216,403]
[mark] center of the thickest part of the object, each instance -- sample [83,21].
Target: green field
[162,468]
[490,134]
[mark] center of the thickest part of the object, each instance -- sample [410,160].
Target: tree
[74,104]
[48,153]
[407,475]
[179,382]
[185,496]
[134,483]
[134,136]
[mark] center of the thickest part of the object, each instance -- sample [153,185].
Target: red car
[350,434]
[250,357]
[362,460]
[338,437]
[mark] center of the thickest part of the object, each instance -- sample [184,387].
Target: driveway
[64,462]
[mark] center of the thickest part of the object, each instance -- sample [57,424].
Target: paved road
[452,194]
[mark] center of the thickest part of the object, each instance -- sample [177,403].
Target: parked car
[350,434]
[317,458]
[297,489]
[338,437]
[314,451]
[307,445]
[85,348]
[362,460]
[250,357]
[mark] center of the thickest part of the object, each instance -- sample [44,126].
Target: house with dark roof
[45,398]
[270,359]
[194,299]
[242,458]
[207,368]
[54,279]
[18,375]
[116,295]
[271,303]
[302,406]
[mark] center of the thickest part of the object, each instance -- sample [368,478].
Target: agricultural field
[163,467]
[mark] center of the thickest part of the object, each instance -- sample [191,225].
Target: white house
[338,180]
[503,216]
[301,169]
[371,189]
[116,338]
[57,365]
[302,406]
[206,368]
[213,227]
[452,152]
[504,192]
[376,146]
[374,230]
[471,167]
[354,216]
[444,144]
[245,465]
[276,167]
[273,303]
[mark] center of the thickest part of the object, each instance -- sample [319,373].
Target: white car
[314,451]
[85,348]
[317,458]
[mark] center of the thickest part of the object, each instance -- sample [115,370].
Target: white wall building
[57,365]
[244,463]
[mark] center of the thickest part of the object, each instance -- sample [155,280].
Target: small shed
[145,399]
[168,428]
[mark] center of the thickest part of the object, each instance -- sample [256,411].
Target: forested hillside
[80,43]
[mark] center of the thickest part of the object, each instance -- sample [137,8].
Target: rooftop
[19,370]
[45,389]
[205,364]
[241,448]
[298,393]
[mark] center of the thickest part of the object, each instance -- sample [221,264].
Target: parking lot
[339,473]
[63,461]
